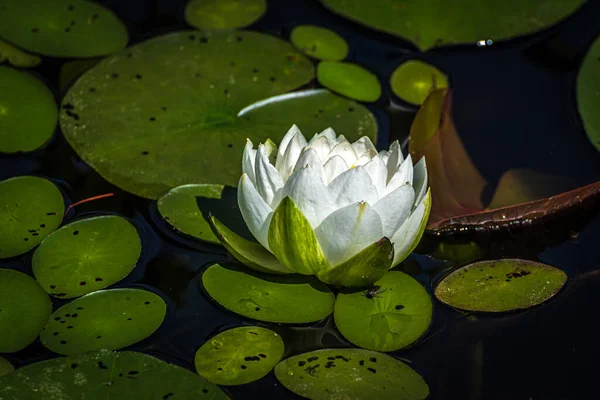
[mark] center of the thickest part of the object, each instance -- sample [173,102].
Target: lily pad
[394,313]
[350,374]
[500,285]
[270,298]
[86,255]
[28,112]
[224,14]
[588,93]
[106,319]
[17,57]
[5,367]
[239,355]
[349,79]
[177,109]
[413,80]
[319,42]
[106,375]
[62,28]
[24,310]
[437,22]
[30,208]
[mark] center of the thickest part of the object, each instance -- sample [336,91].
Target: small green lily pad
[30,208]
[392,314]
[17,57]
[5,366]
[106,319]
[588,93]
[413,80]
[350,374]
[224,14]
[500,285]
[349,79]
[319,42]
[271,298]
[86,255]
[239,355]
[106,375]
[62,28]
[24,310]
[28,112]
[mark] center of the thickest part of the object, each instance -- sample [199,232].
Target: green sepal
[251,254]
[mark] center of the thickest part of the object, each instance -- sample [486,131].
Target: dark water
[514,107]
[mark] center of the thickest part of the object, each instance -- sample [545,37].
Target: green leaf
[413,80]
[588,93]
[350,374]
[239,355]
[17,57]
[30,208]
[391,315]
[5,367]
[106,375]
[500,285]
[293,241]
[106,319]
[319,42]
[62,28]
[350,80]
[24,310]
[224,14]
[28,112]
[86,255]
[291,299]
[364,268]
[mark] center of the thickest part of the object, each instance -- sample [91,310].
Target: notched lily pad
[86,255]
[588,93]
[30,208]
[17,57]
[413,80]
[500,285]
[350,374]
[270,298]
[349,79]
[319,42]
[106,375]
[5,367]
[24,310]
[224,14]
[239,355]
[390,315]
[106,319]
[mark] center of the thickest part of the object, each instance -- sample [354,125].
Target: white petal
[344,149]
[385,155]
[347,231]
[322,147]
[394,160]
[365,157]
[407,236]
[334,167]
[420,180]
[395,208]
[283,145]
[256,212]
[403,176]
[289,159]
[330,135]
[363,144]
[351,187]
[248,159]
[310,157]
[268,181]
[378,172]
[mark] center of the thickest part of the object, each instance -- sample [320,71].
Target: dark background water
[514,107]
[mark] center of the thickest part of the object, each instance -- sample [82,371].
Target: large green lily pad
[500,285]
[271,298]
[349,79]
[62,28]
[106,319]
[177,109]
[28,112]
[24,310]
[414,80]
[433,23]
[588,93]
[319,42]
[17,57]
[390,315]
[350,374]
[86,255]
[106,375]
[239,355]
[30,208]
[5,367]
[223,14]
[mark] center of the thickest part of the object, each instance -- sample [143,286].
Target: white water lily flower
[338,210]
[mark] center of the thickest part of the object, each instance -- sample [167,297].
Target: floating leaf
[30,208]
[224,14]
[349,79]
[588,93]
[271,298]
[319,42]
[5,367]
[106,375]
[239,355]
[458,251]
[86,255]
[433,23]
[28,112]
[413,80]
[106,319]
[71,70]
[62,28]
[350,374]
[500,285]
[394,313]
[17,57]
[24,310]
